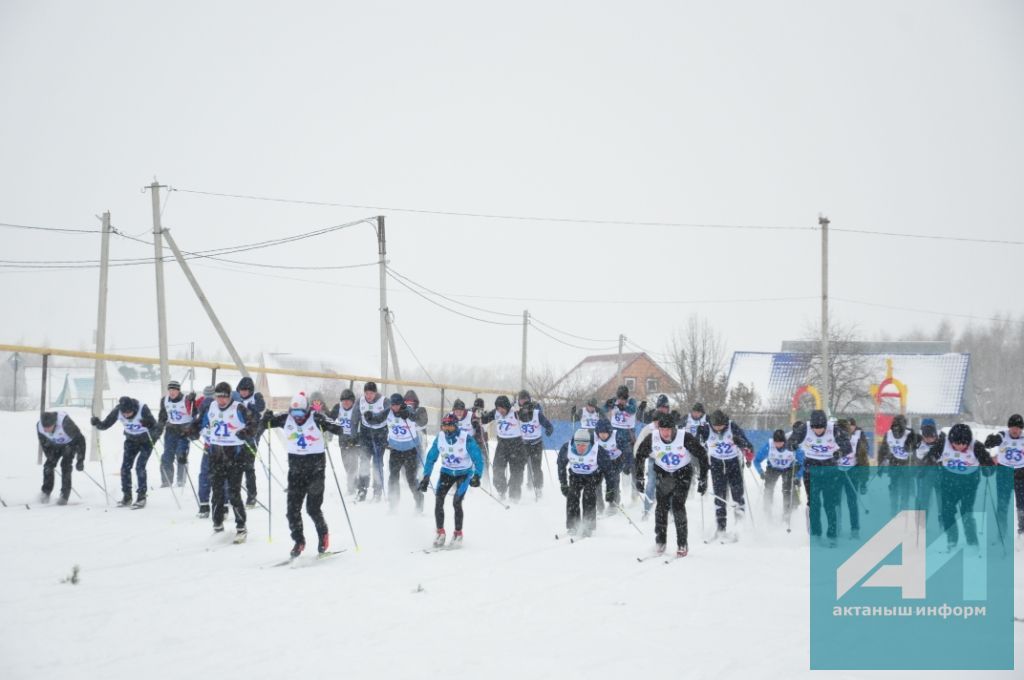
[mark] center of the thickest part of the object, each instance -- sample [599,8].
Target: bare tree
[848,370]
[697,352]
[743,400]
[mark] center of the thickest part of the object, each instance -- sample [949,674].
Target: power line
[442,295]
[409,347]
[569,344]
[571,335]
[929,237]
[64,230]
[496,216]
[928,311]
[449,309]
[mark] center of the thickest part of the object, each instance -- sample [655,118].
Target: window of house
[652,385]
[630,384]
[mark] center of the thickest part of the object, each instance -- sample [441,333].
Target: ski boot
[323,544]
[456,539]
[204,511]
[217,528]
[240,536]
[536,490]
[440,538]
[361,495]
[125,501]
[297,549]
[139,503]
[44,498]
[659,548]
[683,550]
[63,500]
[250,502]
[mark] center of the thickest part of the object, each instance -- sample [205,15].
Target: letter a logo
[911,575]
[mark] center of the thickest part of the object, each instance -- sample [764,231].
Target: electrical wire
[409,347]
[63,230]
[929,311]
[442,295]
[571,335]
[569,344]
[449,309]
[928,237]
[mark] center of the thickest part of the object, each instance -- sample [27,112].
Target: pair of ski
[723,538]
[318,558]
[443,548]
[667,558]
[571,537]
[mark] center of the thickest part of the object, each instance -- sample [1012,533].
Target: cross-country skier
[697,422]
[1010,443]
[961,457]
[622,413]
[926,481]
[373,437]
[533,425]
[175,417]
[461,467]
[585,460]
[469,422]
[894,452]
[140,431]
[253,401]
[196,432]
[855,465]
[724,444]
[822,443]
[403,442]
[509,457]
[588,415]
[304,439]
[784,465]
[673,451]
[605,438]
[344,414]
[62,443]
[485,439]
[228,426]
[650,419]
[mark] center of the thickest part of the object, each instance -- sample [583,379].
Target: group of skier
[663,458]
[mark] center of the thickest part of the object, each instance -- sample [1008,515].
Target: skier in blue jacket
[462,463]
[782,464]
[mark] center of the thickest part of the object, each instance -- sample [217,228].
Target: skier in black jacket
[580,464]
[62,442]
[140,431]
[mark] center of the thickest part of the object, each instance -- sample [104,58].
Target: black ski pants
[408,461]
[444,484]
[350,452]
[227,464]
[1004,484]
[726,475]
[848,486]
[249,470]
[827,492]
[136,451]
[957,493]
[509,456]
[59,455]
[534,453]
[773,475]
[670,494]
[306,483]
[582,488]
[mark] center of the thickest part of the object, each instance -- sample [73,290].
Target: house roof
[597,370]
[935,382]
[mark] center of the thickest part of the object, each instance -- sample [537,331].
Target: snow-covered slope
[161,597]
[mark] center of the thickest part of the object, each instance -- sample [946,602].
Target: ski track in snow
[160,596]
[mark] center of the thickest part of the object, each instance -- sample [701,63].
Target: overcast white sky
[884,116]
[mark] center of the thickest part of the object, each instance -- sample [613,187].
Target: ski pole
[3,502]
[995,511]
[344,506]
[91,479]
[496,499]
[103,473]
[152,446]
[270,492]
[72,488]
[628,519]
[746,497]
[256,454]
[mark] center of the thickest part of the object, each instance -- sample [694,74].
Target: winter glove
[80,465]
[549,429]
[993,440]
[565,490]
[474,480]
[748,454]
[424,484]
[609,496]
[702,486]
[367,414]
[639,485]
[643,406]
[95,421]
[608,404]
[268,415]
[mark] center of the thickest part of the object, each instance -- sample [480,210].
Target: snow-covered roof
[592,373]
[935,382]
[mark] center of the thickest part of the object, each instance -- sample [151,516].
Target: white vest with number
[1011,451]
[177,411]
[507,425]
[610,446]
[849,460]
[303,439]
[588,419]
[670,456]
[585,464]
[721,445]
[58,436]
[780,459]
[454,456]
[898,447]
[922,450]
[344,419]
[466,423]
[623,419]
[532,431]
[820,448]
[401,429]
[223,424]
[133,426]
[692,425]
[376,408]
[960,462]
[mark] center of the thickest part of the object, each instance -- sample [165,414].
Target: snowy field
[161,597]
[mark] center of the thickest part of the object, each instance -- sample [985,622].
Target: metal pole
[161,308]
[441,413]
[394,353]
[826,376]
[526,323]
[382,252]
[618,370]
[99,374]
[42,406]
[192,369]
[206,305]
[14,401]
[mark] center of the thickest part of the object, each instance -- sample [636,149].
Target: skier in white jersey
[926,483]
[1010,454]
[228,426]
[895,452]
[62,442]
[175,416]
[140,431]
[621,411]
[961,458]
[580,463]
[509,457]
[373,437]
[588,415]
[823,443]
[344,415]
[673,451]
[725,444]
[307,461]
[533,425]
[650,420]
[855,481]
[246,393]
[697,422]
[469,422]
[605,438]
[782,464]
[461,467]
[403,442]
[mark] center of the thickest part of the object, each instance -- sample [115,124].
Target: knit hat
[174,385]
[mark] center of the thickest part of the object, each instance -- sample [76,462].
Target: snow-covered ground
[161,597]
